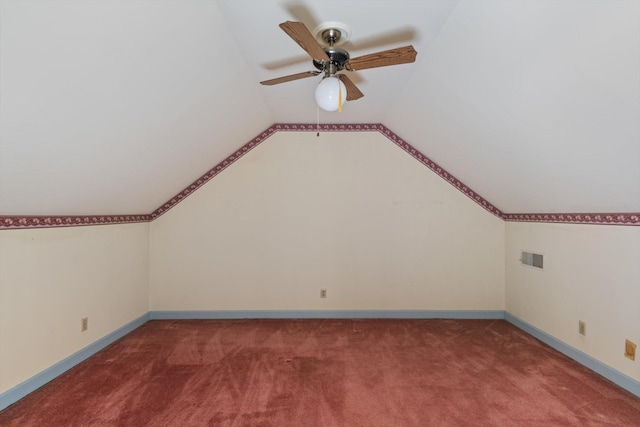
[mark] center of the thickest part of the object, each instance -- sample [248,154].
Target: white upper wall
[349,212]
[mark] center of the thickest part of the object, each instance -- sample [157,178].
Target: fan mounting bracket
[332,33]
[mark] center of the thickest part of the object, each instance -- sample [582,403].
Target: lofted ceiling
[112,107]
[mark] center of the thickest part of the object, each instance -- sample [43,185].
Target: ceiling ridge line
[237,154]
[49,221]
[442,172]
[213,172]
[411,150]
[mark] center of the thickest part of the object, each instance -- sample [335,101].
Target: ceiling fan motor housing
[338,59]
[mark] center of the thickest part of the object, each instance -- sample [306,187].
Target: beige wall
[51,278]
[349,212]
[591,273]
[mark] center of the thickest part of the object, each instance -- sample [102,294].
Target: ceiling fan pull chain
[317,120]
[339,97]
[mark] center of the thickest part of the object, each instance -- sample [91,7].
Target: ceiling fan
[335,87]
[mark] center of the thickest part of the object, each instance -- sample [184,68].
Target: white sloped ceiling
[112,107]
[534,104]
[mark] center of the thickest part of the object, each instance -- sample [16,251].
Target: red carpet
[327,373]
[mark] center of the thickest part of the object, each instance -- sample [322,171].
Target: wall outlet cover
[629,350]
[582,328]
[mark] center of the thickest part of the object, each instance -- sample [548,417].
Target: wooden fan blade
[353,92]
[290,78]
[301,35]
[400,55]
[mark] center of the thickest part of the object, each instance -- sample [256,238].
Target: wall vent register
[532,259]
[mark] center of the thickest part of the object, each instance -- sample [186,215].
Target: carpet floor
[321,372]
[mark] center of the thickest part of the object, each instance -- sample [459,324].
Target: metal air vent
[532,259]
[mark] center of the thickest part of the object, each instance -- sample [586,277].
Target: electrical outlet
[84,324]
[629,350]
[323,293]
[582,327]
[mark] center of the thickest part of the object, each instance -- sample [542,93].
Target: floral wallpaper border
[46,221]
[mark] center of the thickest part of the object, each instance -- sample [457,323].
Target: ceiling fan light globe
[328,91]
